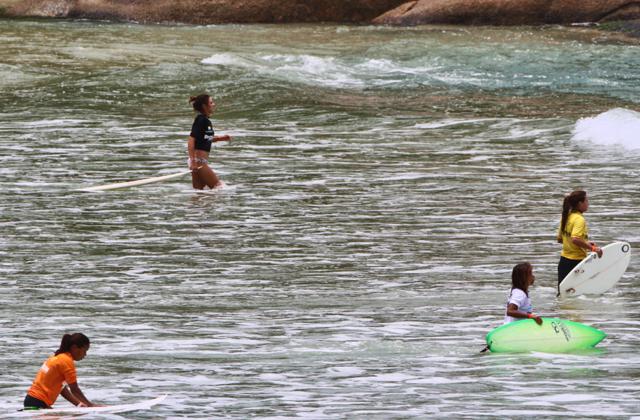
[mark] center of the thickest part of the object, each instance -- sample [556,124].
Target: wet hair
[68,340]
[199,101]
[520,277]
[569,204]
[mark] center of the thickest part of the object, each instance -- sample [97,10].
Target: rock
[53,8]
[395,12]
[509,12]
[628,27]
[206,11]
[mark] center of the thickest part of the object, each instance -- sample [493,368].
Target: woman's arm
[191,148]
[74,395]
[69,396]
[513,312]
[589,246]
[226,137]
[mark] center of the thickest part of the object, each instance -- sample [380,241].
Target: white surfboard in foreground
[129,184]
[594,276]
[122,408]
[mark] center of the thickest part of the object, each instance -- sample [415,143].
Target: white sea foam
[345,72]
[302,68]
[350,72]
[616,127]
[344,371]
[225,59]
[450,122]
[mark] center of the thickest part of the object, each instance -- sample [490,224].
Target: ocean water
[380,185]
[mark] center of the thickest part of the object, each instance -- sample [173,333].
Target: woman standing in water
[519,303]
[199,143]
[58,370]
[573,234]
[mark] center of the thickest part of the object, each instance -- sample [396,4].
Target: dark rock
[510,12]
[206,11]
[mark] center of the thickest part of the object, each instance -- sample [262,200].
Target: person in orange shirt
[58,375]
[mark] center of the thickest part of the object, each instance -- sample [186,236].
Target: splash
[302,68]
[618,126]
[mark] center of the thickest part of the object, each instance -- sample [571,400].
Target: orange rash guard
[53,374]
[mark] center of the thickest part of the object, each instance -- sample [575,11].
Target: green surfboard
[553,336]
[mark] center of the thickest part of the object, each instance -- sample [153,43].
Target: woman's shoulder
[515,292]
[576,215]
[200,122]
[201,117]
[61,359]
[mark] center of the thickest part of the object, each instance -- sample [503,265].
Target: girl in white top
[519,304]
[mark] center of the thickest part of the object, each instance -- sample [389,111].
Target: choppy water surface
[381,184]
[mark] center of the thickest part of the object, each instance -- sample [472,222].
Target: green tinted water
[381,184]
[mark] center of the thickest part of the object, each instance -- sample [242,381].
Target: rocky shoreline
[628,27]
[204,11]
[612,15]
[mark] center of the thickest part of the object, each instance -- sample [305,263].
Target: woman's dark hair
[520,277]
[199,101]
[569,204]
[68,340]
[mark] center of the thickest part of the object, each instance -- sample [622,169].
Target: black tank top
[202,131]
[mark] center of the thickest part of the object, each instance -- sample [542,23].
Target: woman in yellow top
[57,375]
[573,233]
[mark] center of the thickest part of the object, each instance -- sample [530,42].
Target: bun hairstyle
[68,340]
[569,204]
[199,101]
[520,277]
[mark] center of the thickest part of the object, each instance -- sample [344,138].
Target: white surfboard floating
[129,184]
[597,275]
[122,408]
